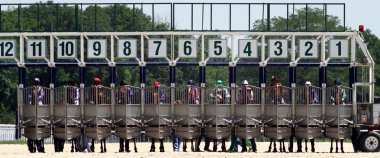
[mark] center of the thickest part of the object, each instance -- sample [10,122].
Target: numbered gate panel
[128,105]
[97,48]
[308,132]
[308,107]
[37,133]
[36,49]
[67,110]
[278,109]
[36,109]
[127,132]
[248,105]
[218,107]
[187,48]
[67,48]
[97,106]
[67,133]
[157,104]
[277,132]
[97,133]
[187,106]
[338,106]
[8,49]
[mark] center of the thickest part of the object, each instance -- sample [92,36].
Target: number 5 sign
[217,48]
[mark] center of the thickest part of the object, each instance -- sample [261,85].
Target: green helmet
[219,82]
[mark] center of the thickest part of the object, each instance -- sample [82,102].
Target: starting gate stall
[187,111]
[218,112]
[278,112]
[97,112]
[338,113]
[308,112]
[157,111]
[35,112]
[248,113]
[127,112]
[67,119]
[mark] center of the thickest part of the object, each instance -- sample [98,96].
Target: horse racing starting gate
[247,111]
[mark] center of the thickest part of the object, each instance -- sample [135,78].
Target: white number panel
[247,48]
[338,48]
[36,49]
[67,49]
[97,48]
[278,48]
[308,48]
[127,48]
[7,49]
[187,48]
[217,48]
[157,48]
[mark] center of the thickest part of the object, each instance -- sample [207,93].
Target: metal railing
[103,17]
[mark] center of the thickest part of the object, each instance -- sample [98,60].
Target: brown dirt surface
[322,151]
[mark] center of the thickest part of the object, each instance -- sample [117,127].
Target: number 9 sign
[97,48]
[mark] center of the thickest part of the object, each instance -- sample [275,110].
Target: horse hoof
[274,151]
[152,150]
[312,150]
[162,150]
[121,150]
[342,151]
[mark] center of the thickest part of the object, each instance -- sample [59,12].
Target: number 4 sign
[247,48]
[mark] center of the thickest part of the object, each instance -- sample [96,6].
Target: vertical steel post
[112,78]
[202,84]
[19,112]
[172,76]
[82,82]
[322,75]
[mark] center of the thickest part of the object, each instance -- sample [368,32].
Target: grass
[13,142]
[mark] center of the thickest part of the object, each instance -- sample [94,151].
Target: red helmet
[96,80]
[156,83]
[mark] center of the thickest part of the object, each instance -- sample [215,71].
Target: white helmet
[245,82]
[307,83]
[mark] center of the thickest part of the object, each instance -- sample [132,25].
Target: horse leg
[283,145]
[243,146]
[184,145]
[215,145]
[299,145]
[92,145]
[274,146]
[162,149]
[101,146]
[341,146]
[134,143]
[72,145]
[270,145]
[331,147]
[305,145]
[192,145]
[280,141]
[127,145]
[153,147]
[336,146]
[105,147]
[121,145]
[223,144]
[312,145]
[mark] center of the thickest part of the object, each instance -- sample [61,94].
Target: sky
[358,12]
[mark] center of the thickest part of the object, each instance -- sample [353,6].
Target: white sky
[357,11]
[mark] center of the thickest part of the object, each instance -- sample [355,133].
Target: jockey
[277,91]
[157,96]
[125,93]
[37,95]
[338,95]
[310,93]
[72,93]
[246,93]
[220,94]
[192,93]
[97,95]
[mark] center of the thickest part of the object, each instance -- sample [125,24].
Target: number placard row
[187,48]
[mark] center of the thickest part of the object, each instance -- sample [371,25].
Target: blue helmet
[190,82]
[337,82]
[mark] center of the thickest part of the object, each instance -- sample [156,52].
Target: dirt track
[322,149]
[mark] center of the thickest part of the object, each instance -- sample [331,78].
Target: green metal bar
[268,17]
[1,19]
[306,22]
[114,17]
[57,17]
[325,17]
[19,18]
[95,18]
[76,17]
[38,17]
